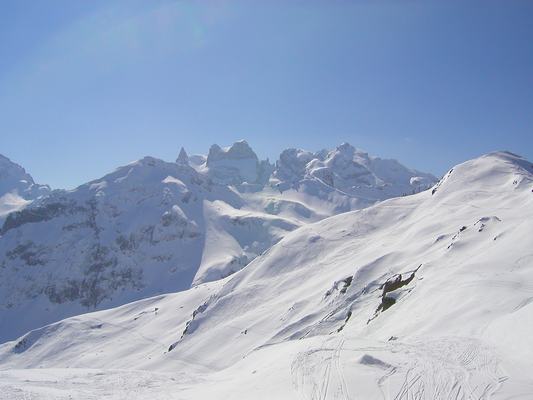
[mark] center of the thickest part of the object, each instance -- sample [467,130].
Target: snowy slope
[144,229]
[152,227]
[425,296]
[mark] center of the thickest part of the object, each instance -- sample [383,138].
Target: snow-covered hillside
[155,227]
[17,188]
[418,297]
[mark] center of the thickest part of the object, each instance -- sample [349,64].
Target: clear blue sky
[86,86]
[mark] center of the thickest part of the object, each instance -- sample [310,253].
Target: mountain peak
[346,147]
[235,164]
[499,169]
[346,150]
[183,158]
[8,167]
[15,179]
[237,151]
[509,157]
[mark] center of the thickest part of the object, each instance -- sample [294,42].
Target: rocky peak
[233,165]
[238,151]
[14,179]
[292,163]
[347,153]
[183,158]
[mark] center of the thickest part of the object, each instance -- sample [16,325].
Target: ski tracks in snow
[450,368]
[318,374]
[445,368]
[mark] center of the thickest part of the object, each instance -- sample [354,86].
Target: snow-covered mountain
[425,296]
[350,171]
[17,187]
[155,227]
[235,165]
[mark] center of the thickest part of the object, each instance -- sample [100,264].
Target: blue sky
[86,86]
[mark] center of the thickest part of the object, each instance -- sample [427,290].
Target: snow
[350,171]
[292,325]
[11,202]
[154,227]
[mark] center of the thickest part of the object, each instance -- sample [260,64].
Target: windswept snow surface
[154,227]
[420,297]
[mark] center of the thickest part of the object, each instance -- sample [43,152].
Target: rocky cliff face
[236,164]
[154,227]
